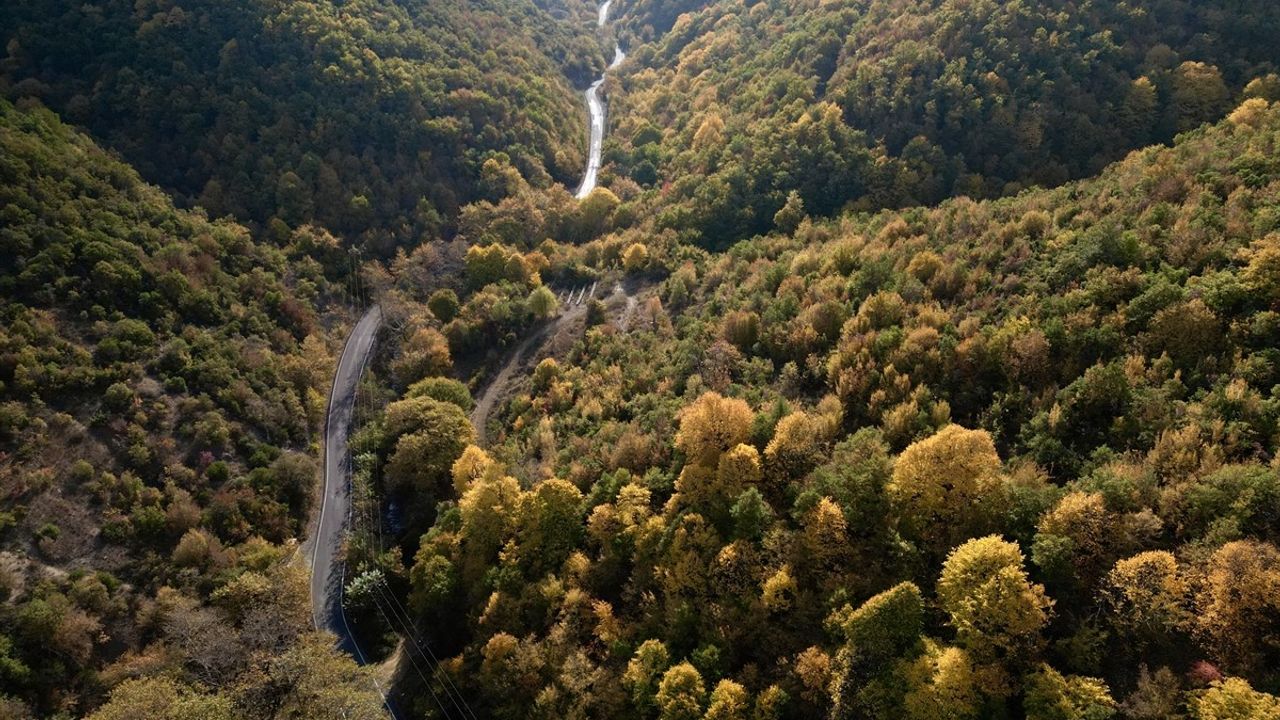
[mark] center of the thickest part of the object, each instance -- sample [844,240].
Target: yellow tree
[425,353]
[1054,696]
[997,611]
[942,487]
[1234,699]
[681,693]
[161,698]
[944,683]
[644,669]
[635,258]
[712,425]
[729,701]
[1239,605]
[739,468]
[798,445]
[1147,593]
[1074,541]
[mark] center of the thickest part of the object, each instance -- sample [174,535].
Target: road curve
[595,109]
[335,503]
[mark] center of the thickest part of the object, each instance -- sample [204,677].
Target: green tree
[427,436]
[444,304]
[542,302]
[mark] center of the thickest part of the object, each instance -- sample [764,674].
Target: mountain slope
[162,380]
[887,103]
[774,483]
[371,118]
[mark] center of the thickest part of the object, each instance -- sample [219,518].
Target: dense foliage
[161,380]
[728,107]
[371,118]
[878,407]
[1010,458]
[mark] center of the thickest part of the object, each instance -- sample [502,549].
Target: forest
[161,376]
[928,366]
[876,103]
[1009,458]
[370,118]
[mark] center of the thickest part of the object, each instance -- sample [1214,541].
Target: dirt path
[496,387]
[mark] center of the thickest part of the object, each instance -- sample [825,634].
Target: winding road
[327,569]
[335,504]
[596,108]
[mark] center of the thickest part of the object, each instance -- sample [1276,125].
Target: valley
[649,360]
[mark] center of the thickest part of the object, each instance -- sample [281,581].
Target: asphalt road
[335,505]
[596,110]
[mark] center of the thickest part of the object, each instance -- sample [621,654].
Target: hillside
[883,103]
[162,380]
[763,499]
[910,360]
[371,118]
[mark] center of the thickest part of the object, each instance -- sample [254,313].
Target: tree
[542,302]
[825,539]
[1053,696]
[943,683]
[488,510]
[681,693]
[1238,608]
[886,626]
[1074,541]
[1262,274]
[443,389]
[635,258]
[444,304]
[427,436]
[313,679]
[1199,94]
[1147,593]
[778,593]
[649,663]
[742,328]
[729,701]
[595,211]
[739,468]
[879,636]
[799,444]
[712,425]
[787,219]
[161,698]
[943,485]
[1233,699]
[709,132]
[751,515]
[473,464]
[425,353]
[996,610]
[549,526]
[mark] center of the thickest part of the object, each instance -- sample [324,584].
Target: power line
[356,518]
[439,666]
[363,498]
